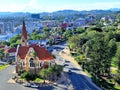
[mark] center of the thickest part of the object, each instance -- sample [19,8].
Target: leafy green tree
[14,39]
[67,33]
[1,53]
[79,30]
[118,57]
[47,31]
[99,53]
[43,73]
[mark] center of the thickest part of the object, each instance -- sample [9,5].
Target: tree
[118,57]
[47,31]
[79,30]
[98,51]
[1,53]
[67,33]
[43,73]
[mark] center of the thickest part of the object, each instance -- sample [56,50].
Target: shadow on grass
[104,84]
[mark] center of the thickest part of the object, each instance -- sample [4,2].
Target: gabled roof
[22,51]
[2,46]
[11,50]
[41,52]
[24,32]
[64,25]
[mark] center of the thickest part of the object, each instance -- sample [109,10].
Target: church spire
[24,32]
[24,35]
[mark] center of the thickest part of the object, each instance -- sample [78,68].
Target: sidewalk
[67,56]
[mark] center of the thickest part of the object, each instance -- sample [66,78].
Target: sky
[35,6]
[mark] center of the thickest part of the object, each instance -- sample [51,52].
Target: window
[40,64]
[31,61]
[23,63]
[50,64]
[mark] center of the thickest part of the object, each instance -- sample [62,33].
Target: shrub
[28,76]
[117,78]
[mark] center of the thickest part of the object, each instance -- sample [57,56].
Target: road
[79,80]
[5,76]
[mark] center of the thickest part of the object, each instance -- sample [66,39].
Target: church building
[32,58]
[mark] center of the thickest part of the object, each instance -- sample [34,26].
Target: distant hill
[68,12]
[14,14]
[61,12]
[114,9]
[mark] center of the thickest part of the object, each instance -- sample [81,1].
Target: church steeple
[24,35]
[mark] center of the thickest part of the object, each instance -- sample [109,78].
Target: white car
[34,85]
[27,84]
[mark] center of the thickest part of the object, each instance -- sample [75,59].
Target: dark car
[69,71]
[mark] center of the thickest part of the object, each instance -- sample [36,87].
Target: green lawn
[114,70]
[3,66]
[38,80]
[117,87]
[89,75]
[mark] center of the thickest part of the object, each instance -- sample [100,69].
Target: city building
[6,27]
[11,53]
[79,22]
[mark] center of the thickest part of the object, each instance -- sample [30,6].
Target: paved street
[78,79]
[5,76]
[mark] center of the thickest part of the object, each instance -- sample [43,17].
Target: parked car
[55,84]
[69,71]
[34,85]
[27,84]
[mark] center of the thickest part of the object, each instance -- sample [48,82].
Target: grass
[3,67]
[113,70]
[38,80]
[117,87]
[89,75]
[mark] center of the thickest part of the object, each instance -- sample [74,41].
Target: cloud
[49,6]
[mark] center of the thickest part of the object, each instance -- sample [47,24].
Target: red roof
[64,25]
[42,53]
[24,32]
[2,46]
[22,51]
[11,50]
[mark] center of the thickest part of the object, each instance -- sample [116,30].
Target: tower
[24,40]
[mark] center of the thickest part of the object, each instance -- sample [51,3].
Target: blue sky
[54,5]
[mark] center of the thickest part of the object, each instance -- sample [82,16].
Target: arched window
[23,64]
[40,64]
[22,40]
[50,64]
[31,61]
